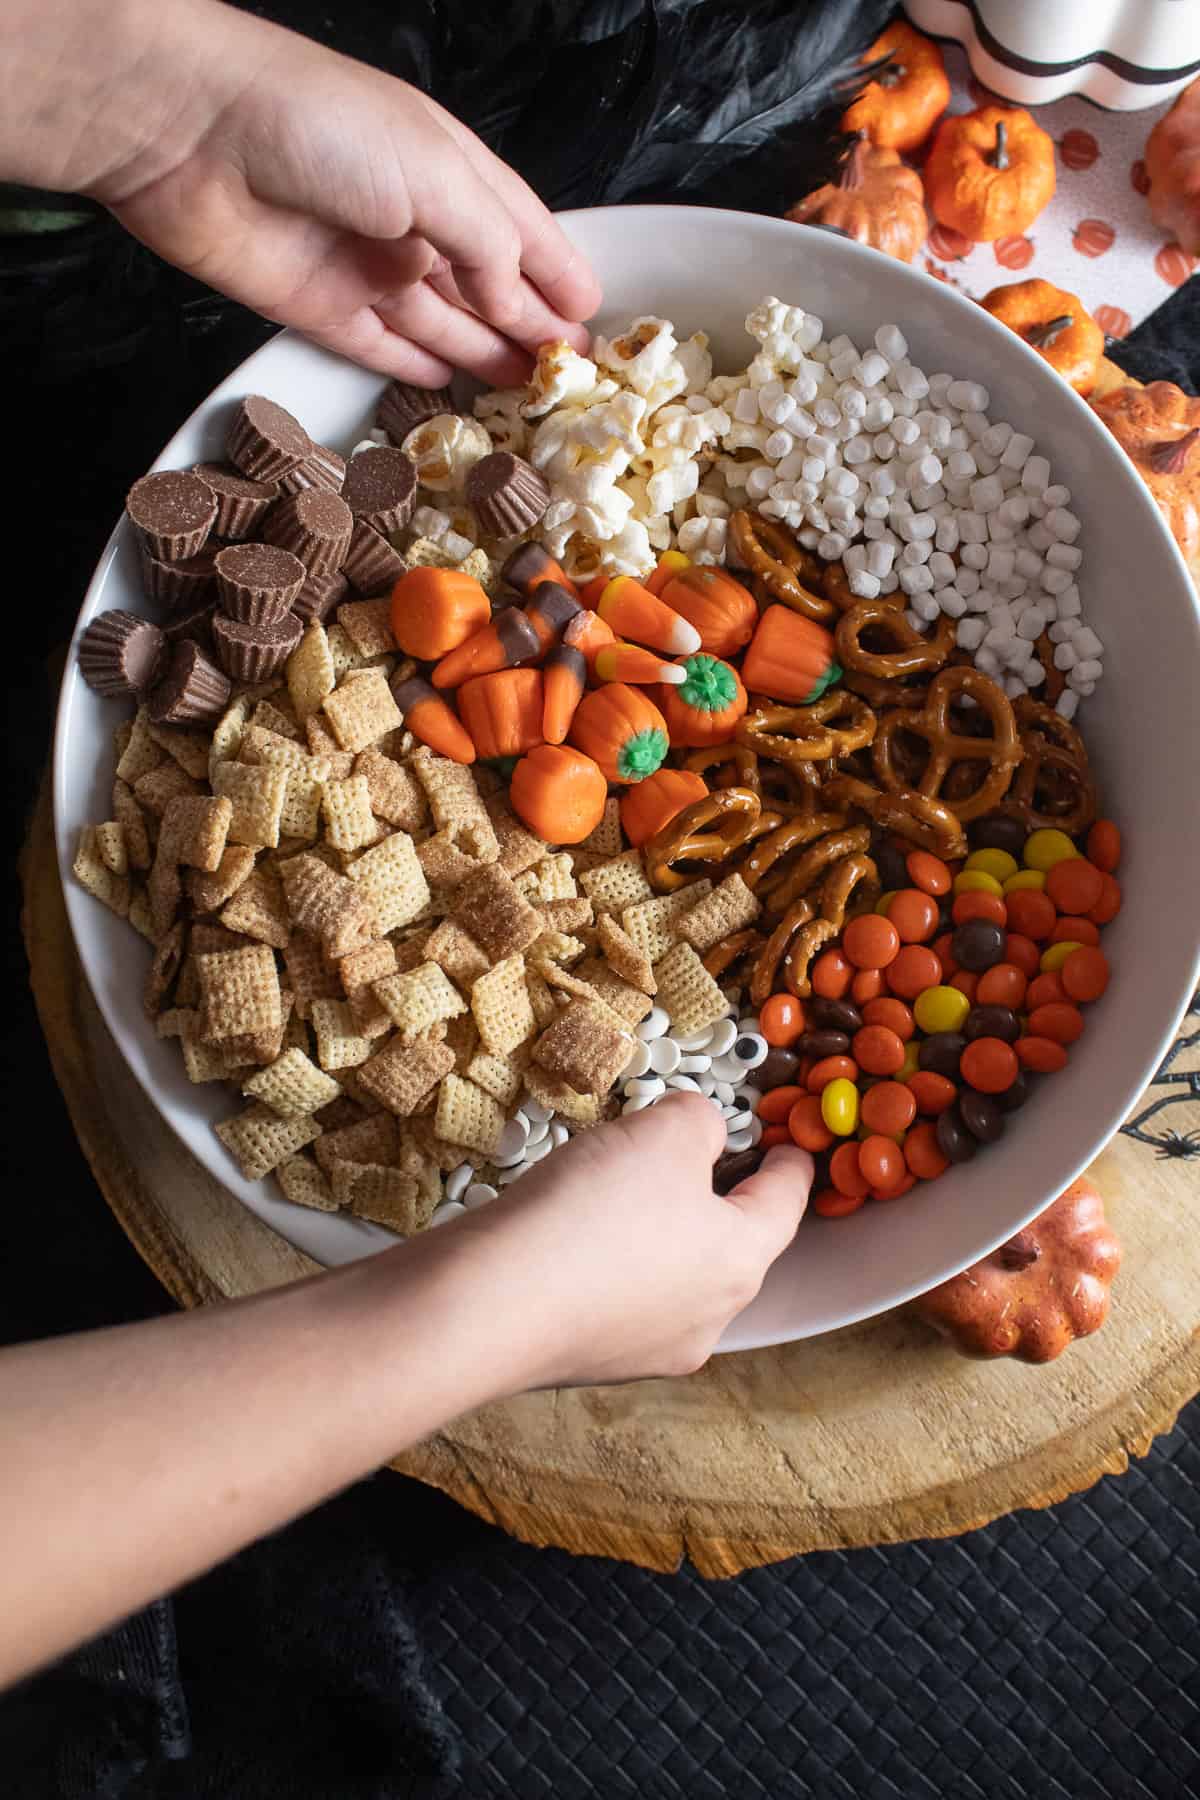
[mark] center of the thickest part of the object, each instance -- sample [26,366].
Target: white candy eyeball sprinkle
[724,1036]
[459,1180]
[654,1024]
[639,1060]
[749,1050]
[478,1194]
[449,1209]
[665,1056]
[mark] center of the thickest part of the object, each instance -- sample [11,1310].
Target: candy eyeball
[559,374]
[445,449]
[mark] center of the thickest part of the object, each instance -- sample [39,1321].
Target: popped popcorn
[499,412]
[559,374]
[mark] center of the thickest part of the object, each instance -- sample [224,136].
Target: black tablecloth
[390,1645]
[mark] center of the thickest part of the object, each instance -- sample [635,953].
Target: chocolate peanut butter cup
[509,495]
[181,585]
[256,583]
[121,654]
[381,488]
[371,564]
[402,406]
[323,469]
[192,691]
[241,503]
[253,653]
[315,526]
[194,622]
[173,512]
[265,441]
[320,596]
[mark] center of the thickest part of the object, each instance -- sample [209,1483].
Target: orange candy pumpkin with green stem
[622,730]
[649,805]
[1056,324]
[722,610]
[705,708]
[436,610]
[559,793]
[791,658]
[990,173]
[503,711]
[900,107]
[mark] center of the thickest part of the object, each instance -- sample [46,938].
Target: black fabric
[391,1647]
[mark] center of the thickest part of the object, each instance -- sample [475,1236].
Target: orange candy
[967,982]
[1024,952]
[831,975]
[877,1050]
[1074,884]
[867,985]
[923,1153]
[781,1020]
[1109,903]
[914,914]
[928,872]
[774,1134]
[1072,929]
[990,1065]
[775,1105]
[889,1107]
[806,1126]
[1031,912]
[830,1068]
[907,1181]
[892,1013]
[914,969]
[1085,973]
[1104,845]
[831,1204]
[1058,1020]
[1042,1055]
[1045,990]
[881,1162]
[943,949]
[845,1173]
[1002,985]
[933,1093]
[975,904]
[871,941]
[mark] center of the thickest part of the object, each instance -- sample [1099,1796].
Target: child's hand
[617,1258]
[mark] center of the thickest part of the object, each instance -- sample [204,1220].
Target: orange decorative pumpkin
[1057,325]
[503,711]
[990,173]
[435,610]
[705,708]
[875,199]
[1158,426]
[653,803]
[791,658]
[721,609]
[622,730]
[1173,170]
[559,793]
[1038,1293]
[900,107]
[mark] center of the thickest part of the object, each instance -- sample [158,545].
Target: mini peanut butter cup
[319,597]
[265,441]
[121,654]
[181,585]
[323,469]
[253,653]
[509,495]
[194,622]
[241,502]
[173,512]
[192,691]
[256,583]
[402,407]
[315,526]
[381,488]
[370,564]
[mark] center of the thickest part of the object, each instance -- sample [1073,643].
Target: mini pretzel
[798,956]
[811,868]
[879,693]
[912,654]
[766,969]
[929,824]
[1056,681]
[1001,752]
[732,814]
[1055,758]
[807,734]
[790,835]
[722,956]
[774,557]
[729,758]
[843,878]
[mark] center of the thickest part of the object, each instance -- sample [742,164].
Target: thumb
[777,1193]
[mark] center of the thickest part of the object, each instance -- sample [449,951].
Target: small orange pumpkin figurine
[705,707]
[559,793]
[1056,324]
[653,803]
[990,172]
[875,199]
[621,730]
[1158,427]
[900,107]
[1173,170]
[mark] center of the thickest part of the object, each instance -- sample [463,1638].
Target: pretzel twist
[777,561]
[766,969]
[807,734]
[791,834]
[708,831]
[810,869]
[730,950]
[929,824]
[736,765]
[1053,785]
[1001,752]
[913,653]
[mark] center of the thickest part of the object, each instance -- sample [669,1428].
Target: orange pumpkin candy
[622,730]
[721,609]
[705,708]
[503,711]
[1056,324]
[435,610]
[790,659]
[653,803]
[559,793]
[990,173]
[900,107]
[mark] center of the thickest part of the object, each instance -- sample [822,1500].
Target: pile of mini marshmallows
[716,1062]
[899,474]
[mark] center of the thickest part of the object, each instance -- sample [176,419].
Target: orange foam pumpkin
[900,107]
[1057,325]
[875,200]
[990,173]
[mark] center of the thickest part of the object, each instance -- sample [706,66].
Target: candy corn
[429,718]
[563,680]
[529,565]
[508,640]
[588,632]
[629,662]
[669,565]
[549,609]
[634,612]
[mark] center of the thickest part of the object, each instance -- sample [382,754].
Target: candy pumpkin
[900,107]
[1173,170]
[1056,324]
[1158,426]
[559,793]
[990,172]
[1038,1293]
[503,711]
[435,610]
[622,730]
[706,707]
[721,609]
[653,803]
[875,199]
[790,658]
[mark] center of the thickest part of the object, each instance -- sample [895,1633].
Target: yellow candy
[885,900]
[976,881]
[839,1106]
[1025,878]
[997,863]
[911,1062]
[941,1009]
[1046,847]
[1054,958]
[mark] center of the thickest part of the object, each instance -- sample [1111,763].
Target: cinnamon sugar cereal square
[519,848]
[368,625]
[341,650]
[156,790]
[188,748]
[309,974]
[401,1076]
[390,881]
[257,795]
[292,1086]
[140,915]
[612,886]
[462,1035]
[259,1140]
[411,947]
[490,910]
[566,915]
[385,1196]
[91,871]
[606,840]
[395,793]
[164,889]
[206,1062]
[326,905]
[259,909]
[687,991]
[556,947]
[370,964]
[226,741]
[585,1046]
[418,999]
[542,1003]
[445,865]
[349,821]
[730,907]
[455,804]
[132,820]
[208,892]
[456,952]
[278,719]
[141,753]
[649,923]
[304,1184]
[194,830]
[466,1115]
[361,710]
[310,672]
[624,957]
[498,1076]
[372,1139]
[502,1006]
[111,848]
[340,1045]
[630,1003]
[239,992]
[566,981]
[552,879]
[321,741]
[552,1091]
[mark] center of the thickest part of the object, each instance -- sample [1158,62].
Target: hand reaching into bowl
[324,194]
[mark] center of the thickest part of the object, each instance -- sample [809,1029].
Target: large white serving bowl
[705,270]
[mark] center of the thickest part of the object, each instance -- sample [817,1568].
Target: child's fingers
[777,1194]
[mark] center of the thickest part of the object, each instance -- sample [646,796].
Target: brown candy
[193,622]
[180,585]
[173,512]
[265,441]
[241,503]
[381,488]
[323,469]
[403,407]
[371,565]
[508,494]
[256,583]
[315,526]
[193,690]
[120,654]
[253,653]
[320,596]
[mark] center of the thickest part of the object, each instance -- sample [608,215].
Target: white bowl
[704,270]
